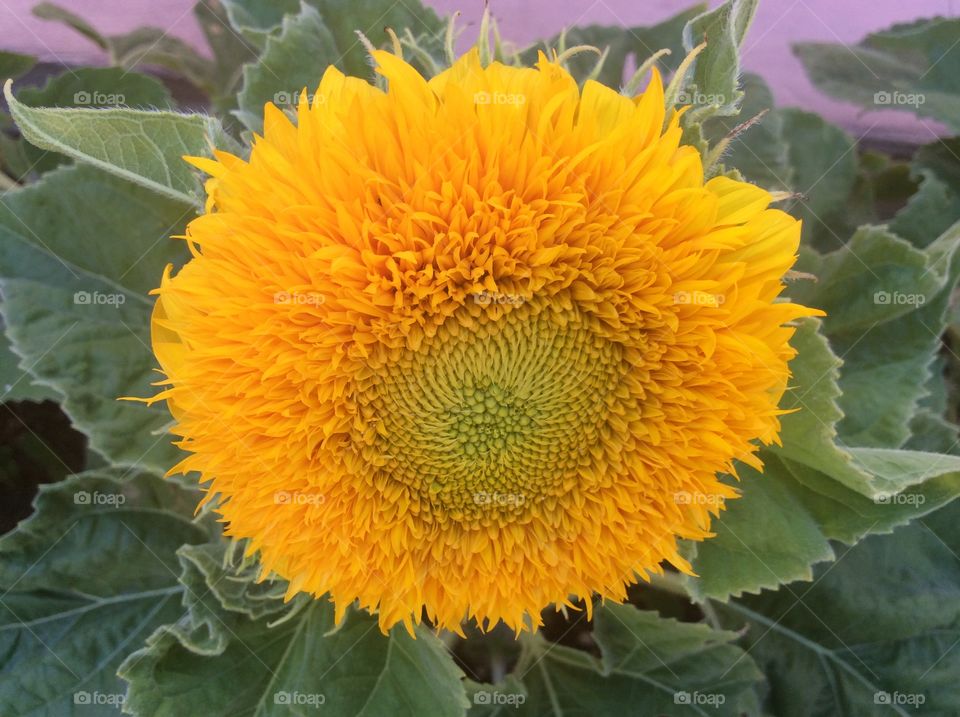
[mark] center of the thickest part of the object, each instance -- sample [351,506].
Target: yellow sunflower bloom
[474,345]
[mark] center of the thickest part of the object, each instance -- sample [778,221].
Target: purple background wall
[767,50]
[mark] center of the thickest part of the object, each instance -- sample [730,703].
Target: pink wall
[767,50]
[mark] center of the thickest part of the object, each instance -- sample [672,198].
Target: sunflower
[471,346]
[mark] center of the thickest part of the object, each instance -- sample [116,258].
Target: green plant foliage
[831,587]
[79,252]
[87,578]
[909,67]
[620,44]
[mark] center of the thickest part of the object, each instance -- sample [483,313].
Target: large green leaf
[293,61]
[912,67]
[79,251]
[89,87]
[872,635]
[814,490]
[886,304]
[649,666]
[85,580]
[143,147]
[301,665]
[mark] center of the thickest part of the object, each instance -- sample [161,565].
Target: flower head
[476,344]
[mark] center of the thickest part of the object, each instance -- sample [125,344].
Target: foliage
[832,586]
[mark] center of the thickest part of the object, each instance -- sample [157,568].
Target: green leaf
[908,67]
[89,87]
[784,522]
[154,46]
[886,305]
[293,61]
[144,46]
[814,490]
[298,666]
[936,205]
[56,13]
[649,665]
[230,52]
[621,43]
[221,592]
[13,64]
[715,85]
[256,19]
[79,251]
[87,578]
[809,434]
[16,383]
[371,17]
[794,151]
[145,148]
[876,628]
